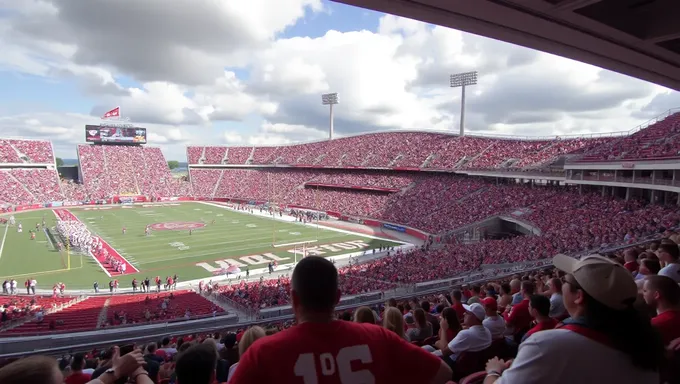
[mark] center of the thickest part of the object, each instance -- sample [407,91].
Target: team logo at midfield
[177,225]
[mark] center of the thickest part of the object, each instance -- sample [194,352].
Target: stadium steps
[475,157]
[428,161]
[368,158]
[395,160]
[219,180]
[201,159]
[21,155]
[406,188]
[102,314]
[9,175]
[319,159]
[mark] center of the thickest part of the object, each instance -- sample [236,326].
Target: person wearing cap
[494,323]
[320,349]
[663,294]
[472,339]
[604,341]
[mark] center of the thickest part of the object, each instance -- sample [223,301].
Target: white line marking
[2,246]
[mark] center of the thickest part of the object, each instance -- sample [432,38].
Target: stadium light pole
[330,99]
[462,80]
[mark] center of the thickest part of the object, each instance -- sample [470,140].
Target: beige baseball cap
[605,280]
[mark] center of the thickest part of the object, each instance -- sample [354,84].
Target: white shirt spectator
[495,325]
[556,305]
[559,356]
[473,339]
[672,271]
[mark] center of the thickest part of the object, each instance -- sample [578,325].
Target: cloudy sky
[244,72]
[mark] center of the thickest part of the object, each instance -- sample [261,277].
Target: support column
[627,193]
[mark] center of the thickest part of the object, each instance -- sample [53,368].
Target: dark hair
[476,289]
[392,302]
[541,304]
[346,315]
[197,364]
[671,249]
[653,265]
[457,294]
[77,363]
[166,341]
[449,314]
[180,341]
[419,316]
[557,284]
[425,305]
[628,331]
[315,282]
[505,287]
[669,289]
[33,369]
[151,348]
[528,287]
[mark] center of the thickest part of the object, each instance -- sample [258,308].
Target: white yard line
[2,245]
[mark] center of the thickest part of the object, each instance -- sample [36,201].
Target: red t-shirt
[668,324]
[460,311]
[335,353]
[542,326]
[519,316]
[450,334]
[77,378]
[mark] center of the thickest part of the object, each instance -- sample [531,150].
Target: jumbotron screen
[113,134]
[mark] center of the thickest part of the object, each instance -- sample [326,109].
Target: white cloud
[205,61]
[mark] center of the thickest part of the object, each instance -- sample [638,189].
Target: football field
[219,238]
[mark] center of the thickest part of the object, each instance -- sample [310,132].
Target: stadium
[434,226]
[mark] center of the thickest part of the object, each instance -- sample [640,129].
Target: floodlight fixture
[330,99]
[462,80]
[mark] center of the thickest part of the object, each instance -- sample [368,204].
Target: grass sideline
[226,234]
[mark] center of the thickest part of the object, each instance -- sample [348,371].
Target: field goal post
[298,247]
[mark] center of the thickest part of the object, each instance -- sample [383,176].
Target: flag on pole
[112,113]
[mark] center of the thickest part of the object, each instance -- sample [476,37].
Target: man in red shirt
[321,350]
[539,308]
[457,305]
[77,376]
[519,317]
[663,293]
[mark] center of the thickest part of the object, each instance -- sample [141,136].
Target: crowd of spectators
[127,170]
[14,151]
[657,141]
[404,149]
[599,317]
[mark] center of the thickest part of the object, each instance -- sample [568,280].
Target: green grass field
[232,236]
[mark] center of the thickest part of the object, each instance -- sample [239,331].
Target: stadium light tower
[330,99]
[462,80]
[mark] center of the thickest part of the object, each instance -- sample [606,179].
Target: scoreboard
[115,133]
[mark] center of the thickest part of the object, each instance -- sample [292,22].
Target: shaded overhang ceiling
[639,38]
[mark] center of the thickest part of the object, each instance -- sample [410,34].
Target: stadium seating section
[440,151]
[105,311]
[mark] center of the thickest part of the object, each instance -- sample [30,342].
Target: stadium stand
[108,311]
[658,141]
[110,170]
[570,221]
[404,149]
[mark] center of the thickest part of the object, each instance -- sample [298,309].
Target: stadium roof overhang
[640,38]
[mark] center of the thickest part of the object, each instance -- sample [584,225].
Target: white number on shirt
[305,366]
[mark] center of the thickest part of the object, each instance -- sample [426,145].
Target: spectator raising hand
[128,366]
